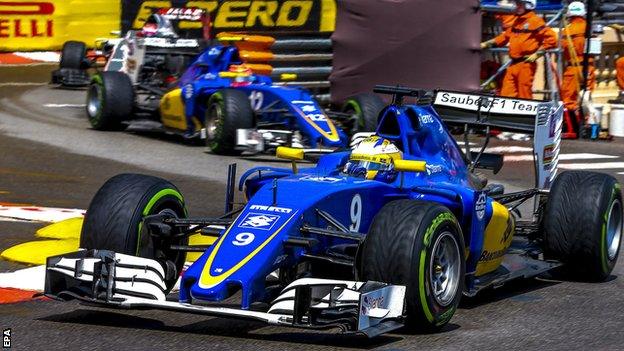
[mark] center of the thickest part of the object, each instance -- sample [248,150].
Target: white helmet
[576,8]
[529,4]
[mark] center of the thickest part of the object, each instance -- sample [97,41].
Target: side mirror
[410,166]
[290,153]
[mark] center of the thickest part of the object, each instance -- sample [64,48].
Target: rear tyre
[73,55]
[110,100]
[227,111]
[364,109]
[583,223]
[114,220]
[417,244]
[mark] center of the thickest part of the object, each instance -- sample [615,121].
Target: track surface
[50,157]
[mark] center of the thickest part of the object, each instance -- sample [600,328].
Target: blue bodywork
[281,202]
[290,108]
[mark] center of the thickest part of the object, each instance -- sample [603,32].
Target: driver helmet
[242,73]
[373,159]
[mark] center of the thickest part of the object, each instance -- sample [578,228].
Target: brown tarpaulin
[416,43]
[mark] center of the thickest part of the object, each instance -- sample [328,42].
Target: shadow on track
[519,290]
[221,327]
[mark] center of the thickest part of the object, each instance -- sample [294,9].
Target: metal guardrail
[307,85]
[302,44]
[309,58]
[302,57]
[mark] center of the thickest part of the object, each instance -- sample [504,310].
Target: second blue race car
[221,100]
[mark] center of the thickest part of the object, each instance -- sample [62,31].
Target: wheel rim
[444,268]
[93,101]
[215,116]
[614,229]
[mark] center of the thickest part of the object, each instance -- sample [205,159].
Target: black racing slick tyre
[420,245]
[227,111]
[582,223]
[365,109]
[110,100]
[114,220]
[73,55]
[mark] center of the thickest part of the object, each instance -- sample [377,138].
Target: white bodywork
[128,53]
[135,282]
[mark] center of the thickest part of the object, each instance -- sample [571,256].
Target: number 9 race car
[392,233]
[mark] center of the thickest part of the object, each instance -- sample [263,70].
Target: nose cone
[243,256]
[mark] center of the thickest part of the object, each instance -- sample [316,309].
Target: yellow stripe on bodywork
[207,280]
[497,238]
[332,135]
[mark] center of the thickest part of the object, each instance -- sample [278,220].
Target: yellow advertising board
[311,16]
[45,25]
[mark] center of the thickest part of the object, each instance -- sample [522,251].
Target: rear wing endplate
[542,119]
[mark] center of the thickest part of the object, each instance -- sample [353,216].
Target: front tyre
[114,220]
[417,244]
[73,55]
[110,100]
[583,223]
[227,111]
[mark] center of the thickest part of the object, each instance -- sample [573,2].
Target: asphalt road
[49,157]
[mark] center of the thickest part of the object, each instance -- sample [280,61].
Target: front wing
[124,281]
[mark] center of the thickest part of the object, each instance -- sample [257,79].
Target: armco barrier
[46,25]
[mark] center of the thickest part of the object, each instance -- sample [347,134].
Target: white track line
[32,278]
[64,105]
[581,166]
[38,214]
[19,84]
[562,157]
[43,56]
[500,149]
[508,149]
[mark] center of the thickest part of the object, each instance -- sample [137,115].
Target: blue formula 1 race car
[391,233]
[223,101]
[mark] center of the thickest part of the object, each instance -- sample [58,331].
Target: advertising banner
[274,16]
[45,25]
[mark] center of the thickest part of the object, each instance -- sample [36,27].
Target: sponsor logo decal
[256,98]
[480,206]
[369,303]
[548,156]
[321,179]
[433,169]
[259,221]
[21,19]
[271,208]
[426,119]
[486,104]
[184,13]
[308,108]
[489,256]
[188,91]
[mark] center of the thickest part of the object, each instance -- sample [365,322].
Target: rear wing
[542,119]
